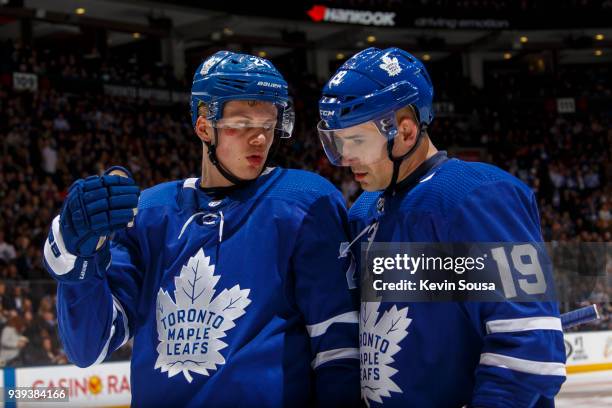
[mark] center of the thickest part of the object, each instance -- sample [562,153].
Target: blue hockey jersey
[454,354]
[233,301]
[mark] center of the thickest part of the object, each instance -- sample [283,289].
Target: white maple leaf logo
[190,330]
[379,342]
[208,65]
[391,65]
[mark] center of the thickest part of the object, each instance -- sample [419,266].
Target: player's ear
[408,130]
[202,129]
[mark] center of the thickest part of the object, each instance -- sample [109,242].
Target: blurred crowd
[28,326]
[28,335]
[52,64]
[50,138]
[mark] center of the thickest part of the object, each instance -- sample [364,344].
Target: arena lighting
[598,53]
[371,39]
[262,54]
[228,31]
[599,37]
[79,11]
[507,55]
[136,35]
[426,57]
[339,56]
[523,39]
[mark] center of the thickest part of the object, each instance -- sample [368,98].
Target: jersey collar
[413,178]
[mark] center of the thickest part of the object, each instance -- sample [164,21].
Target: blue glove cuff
[120,168]
[70,268]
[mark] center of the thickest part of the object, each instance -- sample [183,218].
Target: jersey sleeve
[522,362]
[328,306]
[96,313]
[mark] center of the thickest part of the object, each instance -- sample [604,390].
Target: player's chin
[369,185]
[250,172]
[365,186]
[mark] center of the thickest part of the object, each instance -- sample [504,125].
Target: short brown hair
[202,109]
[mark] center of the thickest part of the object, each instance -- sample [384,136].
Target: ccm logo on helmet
[326,113]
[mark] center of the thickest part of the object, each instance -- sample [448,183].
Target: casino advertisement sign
[105,384]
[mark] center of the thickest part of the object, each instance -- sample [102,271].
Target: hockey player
[375,111]
[228,284]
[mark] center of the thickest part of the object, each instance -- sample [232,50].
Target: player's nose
[258,139]
[348,160]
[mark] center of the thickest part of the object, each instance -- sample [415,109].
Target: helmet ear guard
[287,121]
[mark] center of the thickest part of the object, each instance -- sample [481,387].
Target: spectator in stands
[7,250]
[12,341]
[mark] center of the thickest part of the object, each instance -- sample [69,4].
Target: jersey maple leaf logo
[190,330]
[379,342]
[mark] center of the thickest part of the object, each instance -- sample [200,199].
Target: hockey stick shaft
[579,316]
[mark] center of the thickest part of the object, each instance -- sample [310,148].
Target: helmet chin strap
[397,161]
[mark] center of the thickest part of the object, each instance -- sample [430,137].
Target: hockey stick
[579,316]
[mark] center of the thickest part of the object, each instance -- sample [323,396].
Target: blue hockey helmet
[227,76]
[370,87]
[374,82]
